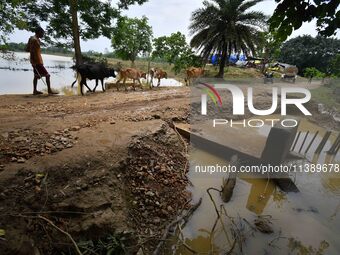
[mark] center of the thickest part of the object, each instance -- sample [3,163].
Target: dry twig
[170,227]
[62,231]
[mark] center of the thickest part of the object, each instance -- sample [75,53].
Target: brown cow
[131,73]
[158,74]
[193,73]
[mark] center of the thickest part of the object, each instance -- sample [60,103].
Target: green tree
[306,51]
[170,48]
[174,50]
[290,15]
[226,26]
[11,19]
[269,47]
[132,37]
[67,20]
[187,59]
[312,72]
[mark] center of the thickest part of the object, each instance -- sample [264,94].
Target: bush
[312,72]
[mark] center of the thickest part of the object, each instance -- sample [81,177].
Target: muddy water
[304,223]
[17,75]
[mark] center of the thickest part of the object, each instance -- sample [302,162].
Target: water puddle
[304,223]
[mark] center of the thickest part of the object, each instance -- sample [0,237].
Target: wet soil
[101,166]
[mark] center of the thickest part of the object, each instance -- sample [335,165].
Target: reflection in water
[304,127]
[279,197]
[201,243]
[297,217]
[259,195]
[331,182]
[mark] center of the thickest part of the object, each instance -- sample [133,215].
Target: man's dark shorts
[40,71]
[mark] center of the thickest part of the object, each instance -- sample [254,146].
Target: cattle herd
[99,72]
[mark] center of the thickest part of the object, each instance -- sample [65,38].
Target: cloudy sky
[169,16]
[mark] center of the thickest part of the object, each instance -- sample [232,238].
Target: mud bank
[73,161]
[97,198]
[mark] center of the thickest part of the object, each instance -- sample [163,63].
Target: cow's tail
[74,82]
[77,78]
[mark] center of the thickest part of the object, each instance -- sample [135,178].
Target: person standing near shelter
[39,70]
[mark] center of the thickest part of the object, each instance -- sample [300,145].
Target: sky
[169,16]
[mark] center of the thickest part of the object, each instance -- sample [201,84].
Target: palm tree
[225,26]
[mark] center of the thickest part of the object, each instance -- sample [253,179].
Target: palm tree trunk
[75,31]
[222,64]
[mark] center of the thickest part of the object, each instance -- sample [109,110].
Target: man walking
[39,70]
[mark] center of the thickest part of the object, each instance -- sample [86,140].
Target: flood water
[17,75]
[304,223]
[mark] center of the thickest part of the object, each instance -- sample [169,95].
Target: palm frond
[226,26]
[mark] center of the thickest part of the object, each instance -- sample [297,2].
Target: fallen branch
[218,213]
[170,227]
[53,225]
[62,231]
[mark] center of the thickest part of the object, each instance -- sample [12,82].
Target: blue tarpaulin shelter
[232,59]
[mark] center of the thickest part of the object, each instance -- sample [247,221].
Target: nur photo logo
[282,97]
[213,95]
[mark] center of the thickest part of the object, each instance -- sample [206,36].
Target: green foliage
[174,50]
[269,46]
[306,51]
[124,4]
[335,65]
[20,47]
[95,18]
[226,26]
[132,37]
[185,60]
[289,15]
[95,54]
[170,48]
[12,16]
[311,72]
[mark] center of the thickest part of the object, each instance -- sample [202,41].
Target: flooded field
[304,223]
[17,75]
